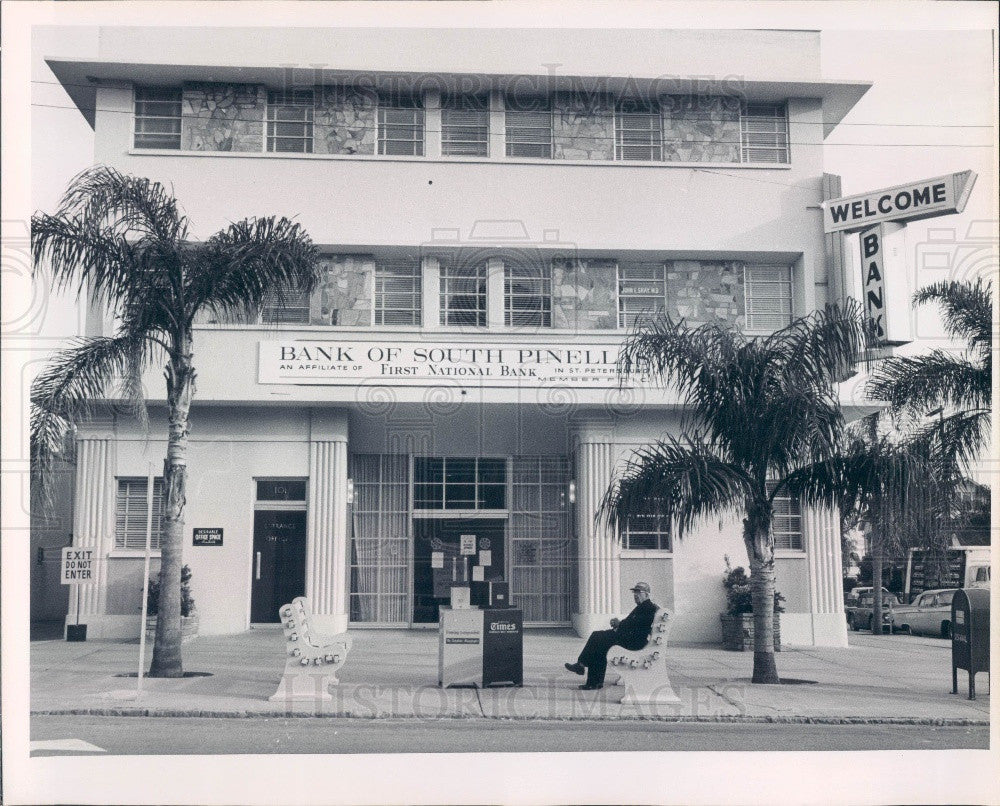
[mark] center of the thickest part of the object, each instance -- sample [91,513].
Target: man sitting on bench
[631,633]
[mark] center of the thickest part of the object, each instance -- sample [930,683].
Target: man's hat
[640,586]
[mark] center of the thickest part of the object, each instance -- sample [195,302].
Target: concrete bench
[643,672]
[312,661]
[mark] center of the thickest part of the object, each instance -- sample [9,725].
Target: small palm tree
[123,241]
[962,384]
[759,412]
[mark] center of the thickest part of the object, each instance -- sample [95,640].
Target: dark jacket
[633,631]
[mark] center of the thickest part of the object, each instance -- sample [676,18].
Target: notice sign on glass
[468,545]
[207,537]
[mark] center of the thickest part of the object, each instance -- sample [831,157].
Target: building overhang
[81,78]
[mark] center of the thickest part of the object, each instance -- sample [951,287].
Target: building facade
[494,210]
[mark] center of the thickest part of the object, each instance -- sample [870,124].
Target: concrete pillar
[326,525]
[599,550]
[93,523]
[821,532]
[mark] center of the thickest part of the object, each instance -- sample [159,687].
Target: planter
[189,628]
[737,632]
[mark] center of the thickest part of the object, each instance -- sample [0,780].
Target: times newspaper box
[970,635]
[480,647]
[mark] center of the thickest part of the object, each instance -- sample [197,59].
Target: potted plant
[737,621]
[189,616]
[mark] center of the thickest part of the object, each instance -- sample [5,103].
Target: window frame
[543,276]
[418,127]
[662,532]
[290,314]
[781,147]
[475,481]
[447,274]
[794,514]
[122,536]
[511,115]
[137,89]
[652,111]
[384,271]
[290,99]
[750,325]
[622,322]
[470,104]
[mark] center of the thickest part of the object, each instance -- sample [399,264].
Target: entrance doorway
[438,562]
[278,573]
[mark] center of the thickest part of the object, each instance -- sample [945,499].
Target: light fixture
[572,491]
[350,491]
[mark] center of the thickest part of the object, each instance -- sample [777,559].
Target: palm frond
[957,441]
[919,383]
[967,309]
[680,479]
[250,261]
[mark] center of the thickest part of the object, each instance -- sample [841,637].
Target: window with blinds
[527,296]
[130,514]
[157,117]
[764,133]
[529,128]
[638,131]
[642,292]
[463,295]
[290,121]
[465,127]
[646,531]
[401,127]
[768,298]
[398,287]
[289,307]
[787,522]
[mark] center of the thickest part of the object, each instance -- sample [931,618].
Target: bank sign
[433,363]
[910,202]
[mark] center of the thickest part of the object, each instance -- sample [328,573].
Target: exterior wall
[584,294]
[701,128]
[346,291]
[583,127]
[222,117]
[344,122]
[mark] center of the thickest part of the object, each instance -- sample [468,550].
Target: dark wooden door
[278,572]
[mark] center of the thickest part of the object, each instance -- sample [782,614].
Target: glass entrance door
[438,562]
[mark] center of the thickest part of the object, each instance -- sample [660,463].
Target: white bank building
[494,211]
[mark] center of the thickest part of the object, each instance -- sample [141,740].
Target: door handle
[258,566]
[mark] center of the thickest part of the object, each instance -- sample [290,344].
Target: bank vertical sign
[873,272]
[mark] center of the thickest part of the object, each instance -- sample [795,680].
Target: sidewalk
[390,673]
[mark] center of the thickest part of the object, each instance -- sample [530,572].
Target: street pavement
[393,674]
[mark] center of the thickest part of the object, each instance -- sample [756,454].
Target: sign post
[77,568]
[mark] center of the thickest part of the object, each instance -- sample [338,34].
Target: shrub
[187,601]
[738,597]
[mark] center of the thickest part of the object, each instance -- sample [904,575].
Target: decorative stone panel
[583,127]
[583,294]
[345,291]
[344,121]
[222,117]
[703,291]
[701,128]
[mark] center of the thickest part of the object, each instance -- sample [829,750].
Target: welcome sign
[334,361]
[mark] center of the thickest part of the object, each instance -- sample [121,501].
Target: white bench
[312,661]
[643,672]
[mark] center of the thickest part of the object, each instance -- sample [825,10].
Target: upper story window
[527,296]
[157,117]
[642,291]
[787,522]
[398,287]
[638,131]
[768,298]
[465,126]
[459,483]
[764,133]
[295,309]
[401,126]
[131,512]
[290,121]
[463,295]
[529,127]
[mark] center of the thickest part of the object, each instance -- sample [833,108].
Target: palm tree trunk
[760,552]
[876,583]
[180,389]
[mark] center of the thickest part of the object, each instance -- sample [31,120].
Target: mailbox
[970,635]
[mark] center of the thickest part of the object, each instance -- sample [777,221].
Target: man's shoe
[589,687]
[575,668]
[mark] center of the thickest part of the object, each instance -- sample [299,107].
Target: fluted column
[821,530]
[326,530]
[93,521]
[599,552]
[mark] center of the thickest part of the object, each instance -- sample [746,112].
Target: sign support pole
[145,578]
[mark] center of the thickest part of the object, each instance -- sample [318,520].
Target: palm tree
[959,383]
[758,412]
[123,241]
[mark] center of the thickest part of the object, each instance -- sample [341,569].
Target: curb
[722,719]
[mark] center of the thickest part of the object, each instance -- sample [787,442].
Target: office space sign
[332,362]
[913,201]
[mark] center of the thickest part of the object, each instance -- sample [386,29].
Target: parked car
[860,616]
[851,599]
[929,613]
